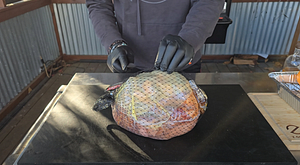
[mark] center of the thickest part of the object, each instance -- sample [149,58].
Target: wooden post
[56,29]
[2,3]
[295,39]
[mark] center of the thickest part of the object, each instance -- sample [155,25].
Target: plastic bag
[158,105]
[286,77]
[292,62]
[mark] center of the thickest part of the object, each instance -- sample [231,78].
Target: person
[154,34]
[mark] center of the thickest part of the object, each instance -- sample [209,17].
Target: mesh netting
[158,105]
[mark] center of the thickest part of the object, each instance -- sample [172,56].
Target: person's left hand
[174,53]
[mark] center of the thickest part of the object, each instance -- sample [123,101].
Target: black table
[231,131]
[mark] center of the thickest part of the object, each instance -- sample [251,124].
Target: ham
[158,105]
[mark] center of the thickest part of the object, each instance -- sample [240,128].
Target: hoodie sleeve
[101,13]
[201,21]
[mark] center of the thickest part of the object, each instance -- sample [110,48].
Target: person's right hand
[174,53]
[117,60]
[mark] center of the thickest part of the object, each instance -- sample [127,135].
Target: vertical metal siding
[259,28]
[76,31]
[23,40]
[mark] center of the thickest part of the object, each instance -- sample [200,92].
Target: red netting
[158,105]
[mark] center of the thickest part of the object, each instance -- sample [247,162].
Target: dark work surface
[232,131]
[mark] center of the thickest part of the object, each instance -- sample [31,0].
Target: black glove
[174,54]
[117,60]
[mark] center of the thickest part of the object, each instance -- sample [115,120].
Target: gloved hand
[174,54]
[118,59]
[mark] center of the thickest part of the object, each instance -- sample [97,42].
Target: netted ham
[158,105]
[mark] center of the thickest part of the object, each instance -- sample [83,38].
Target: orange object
[190,63]
[221,17]
[294,78]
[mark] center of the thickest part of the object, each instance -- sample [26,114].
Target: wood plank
[263,66]
[70,69]
[273,65]
[107,70]
[215,57]
[243,68]
[222,67]
[101,68]
[92,68]
[233,68]
[207,58]
[83,57]
[282,117]
[204,58]
[21,8]
[82,67]
[204,68]
[255,68]
[2,3]
[247,57]
[56,29]
[295,39]
[212,67]
[241,61]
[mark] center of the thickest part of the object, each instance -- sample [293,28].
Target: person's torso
[143,23]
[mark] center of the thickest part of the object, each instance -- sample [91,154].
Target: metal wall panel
[258,28]
[76,30]
[265,28]
[23,40]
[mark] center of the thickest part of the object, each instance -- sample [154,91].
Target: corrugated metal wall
[76,30]
[23,40]
[258,28]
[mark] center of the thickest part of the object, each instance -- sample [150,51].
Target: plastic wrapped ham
[158,105]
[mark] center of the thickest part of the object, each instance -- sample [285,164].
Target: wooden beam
[2,3]
[83,57]
[21,8]
[56,29]
[227,57]
[295,39]
[68,1]
[15,101]
[216,57]
[204,57]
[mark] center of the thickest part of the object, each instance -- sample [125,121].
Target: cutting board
[282,117]
[232,131]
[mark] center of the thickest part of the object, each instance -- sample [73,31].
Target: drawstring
[139,24]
